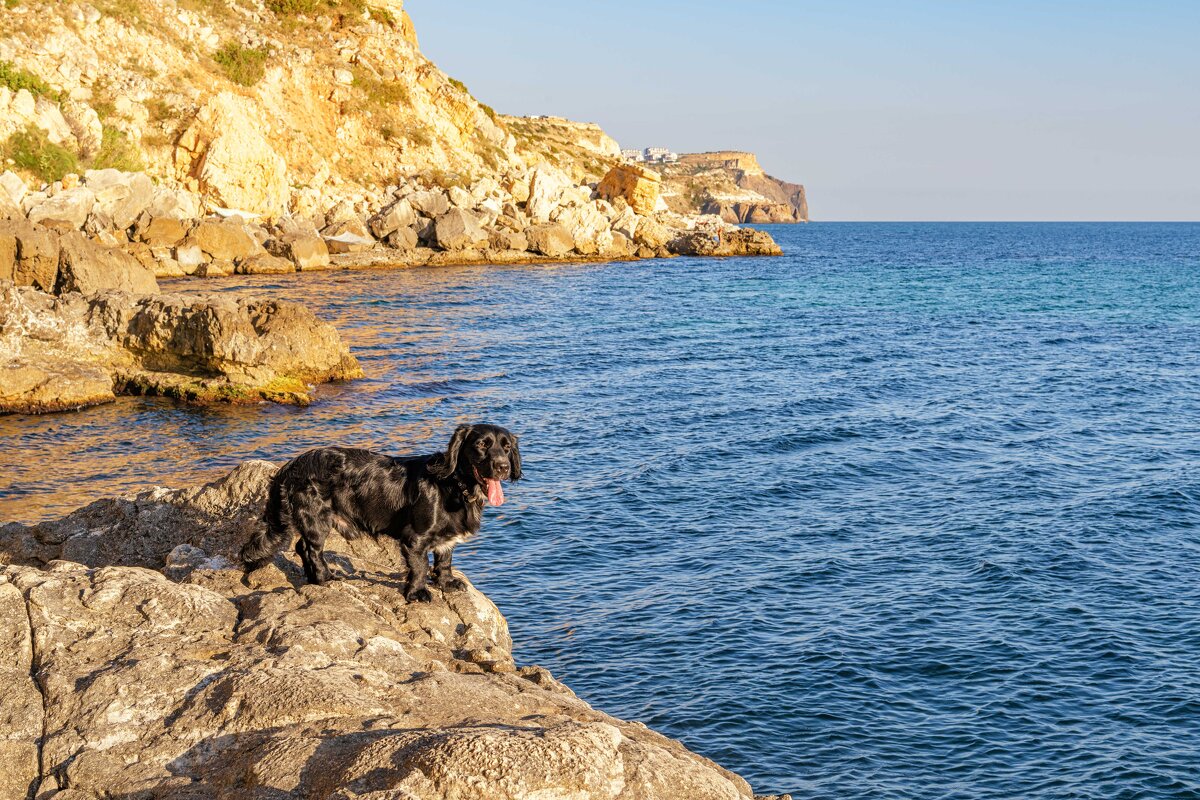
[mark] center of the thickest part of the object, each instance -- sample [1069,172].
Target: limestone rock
[508,240]
[553,240]
[403,239]
[458,230]
[635,185]
[37,254]
[348,243]
[21,715]
[546,185]
[191,347]
[71,207]
[650,233]
[87,267]
[226,154]
[730,242]
[264,264]
[123,196]
[398,215]
[223,241]
[40,389]
[159,231]
[304,248]
[143,665]
[12,186]
[85,126]
[431,203]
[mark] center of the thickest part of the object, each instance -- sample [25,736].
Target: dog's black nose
[500,469]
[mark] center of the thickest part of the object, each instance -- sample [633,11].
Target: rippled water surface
[908,513]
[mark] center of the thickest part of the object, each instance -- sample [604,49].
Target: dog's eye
[485,443]
[507,445]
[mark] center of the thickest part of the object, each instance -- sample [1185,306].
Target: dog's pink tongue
[495,492]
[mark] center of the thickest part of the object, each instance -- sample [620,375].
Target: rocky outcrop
[637,186]
[732,185]
[139,663]
[72,351]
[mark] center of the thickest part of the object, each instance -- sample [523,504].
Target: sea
[912,511]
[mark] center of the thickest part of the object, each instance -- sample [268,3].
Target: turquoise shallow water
[911,512]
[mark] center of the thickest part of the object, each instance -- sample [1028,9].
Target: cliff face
[732,184]
[260,106]
[138,663]
[581,149]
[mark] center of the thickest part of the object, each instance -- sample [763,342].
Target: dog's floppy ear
[445,466]
[514,461]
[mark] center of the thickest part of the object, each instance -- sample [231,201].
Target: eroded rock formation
[137,662]
[72,351]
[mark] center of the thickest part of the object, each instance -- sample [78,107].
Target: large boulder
[303,247]
[264,263]
[121,196]
[458,230]
[588,225]
[36,253]
[553,240]
[431,202]
[160,231]
[399,214]
[636,185]
[223,240]
[225,156]
[140,663]
[651,233]
[68,351]
[546,187]
[725,242]
[69,207]
[86,267]
[13,187]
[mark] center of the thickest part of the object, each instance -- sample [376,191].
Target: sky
[923,110]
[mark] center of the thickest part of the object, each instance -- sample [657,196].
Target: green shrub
[117,152]
[383,94]
[290,8]
[457,84]
[383,16]
[244,65]
[32,151]
[11,3]
[419,135]
[17,79]
[491,112]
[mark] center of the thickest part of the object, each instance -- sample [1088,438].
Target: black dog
[426,502]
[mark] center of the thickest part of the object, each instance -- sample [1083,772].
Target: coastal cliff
[140,664]
[732,185]
[317,124]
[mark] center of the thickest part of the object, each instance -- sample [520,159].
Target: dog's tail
[272,535]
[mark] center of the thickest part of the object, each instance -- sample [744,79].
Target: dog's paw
[452,585]
[421,595]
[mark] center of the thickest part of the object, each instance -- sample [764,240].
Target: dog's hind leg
[266,540]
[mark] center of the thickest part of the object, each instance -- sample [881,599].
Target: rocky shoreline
[141,664]
[82,320]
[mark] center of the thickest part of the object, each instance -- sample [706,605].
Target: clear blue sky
[886,110]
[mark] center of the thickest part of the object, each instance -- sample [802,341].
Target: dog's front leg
[443,570]
[417,559]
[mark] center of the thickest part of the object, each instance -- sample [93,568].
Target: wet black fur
[427,503]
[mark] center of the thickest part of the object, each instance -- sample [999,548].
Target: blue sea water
[911,512]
